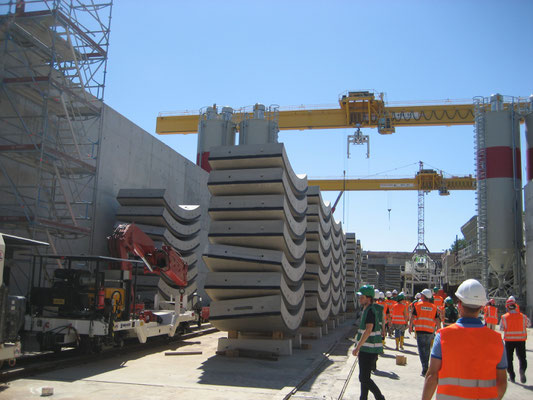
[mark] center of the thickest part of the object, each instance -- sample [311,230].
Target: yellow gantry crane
[362,109]
[426,180]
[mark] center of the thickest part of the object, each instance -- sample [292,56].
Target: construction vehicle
[95,305]
[12,308]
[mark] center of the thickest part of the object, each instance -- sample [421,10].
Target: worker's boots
[401,342]
[397,343]
[522,376]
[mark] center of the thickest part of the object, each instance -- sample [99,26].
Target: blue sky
[183,55]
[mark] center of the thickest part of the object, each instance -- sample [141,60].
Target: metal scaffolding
[52,72]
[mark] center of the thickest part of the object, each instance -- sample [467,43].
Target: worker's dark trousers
[520,347]
[423,340]
[366,361]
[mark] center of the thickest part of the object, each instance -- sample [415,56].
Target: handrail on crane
[365,108]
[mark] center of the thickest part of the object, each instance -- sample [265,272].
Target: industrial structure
[499,252]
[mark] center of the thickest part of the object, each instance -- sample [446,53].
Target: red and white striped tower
[503,196]
[528,195]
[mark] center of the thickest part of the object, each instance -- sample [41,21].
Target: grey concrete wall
[132,158]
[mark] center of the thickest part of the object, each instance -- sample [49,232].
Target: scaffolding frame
[52,81]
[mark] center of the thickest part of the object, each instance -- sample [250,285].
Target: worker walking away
[468,360]
[514,325]
[425,318]
[438,301]
[388,311]
[450,312]
[490,314]
[369,343]
[399,320]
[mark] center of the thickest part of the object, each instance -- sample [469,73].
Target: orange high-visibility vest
[469,360]
[514,327]
[438,301]
[398,314]
[382,303]
[425,316]
[491,314]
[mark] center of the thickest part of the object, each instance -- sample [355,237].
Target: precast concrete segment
[314,215]
[315,233]
[324,243]
[313,287]
[255,156]
[250,208]
[168,292]
[272,235]
[163,234]
[266,181]
[314,197]
[256,314]
[185,214]
[234,285]
[315,310]
[158,216]
[224,258]
[254,207]
[316,272]
[261,180]
[315,254]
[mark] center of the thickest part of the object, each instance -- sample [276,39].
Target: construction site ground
[326,370]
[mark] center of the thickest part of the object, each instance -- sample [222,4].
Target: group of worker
[481,374]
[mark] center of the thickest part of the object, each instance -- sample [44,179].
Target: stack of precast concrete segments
[174,225]
[256,250]
[317,278]
[338,273]
[351,259]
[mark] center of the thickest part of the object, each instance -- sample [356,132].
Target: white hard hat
[471,293]
[418,295]
[376,293]
[381,295]
[388,293]
[428,293]
[394,291]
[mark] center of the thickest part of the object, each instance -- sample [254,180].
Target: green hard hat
[400,297]
[448,300]
[435,289]
[366,290]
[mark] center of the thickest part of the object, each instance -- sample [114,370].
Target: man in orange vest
[399,320]
[439,302]
[514,325]
[468,360]
[490,314]
[425,318]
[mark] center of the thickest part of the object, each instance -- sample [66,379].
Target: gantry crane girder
[363,109]
[426,180]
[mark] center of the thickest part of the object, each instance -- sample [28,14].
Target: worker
[381,303]
[425,318]
[490,314]
[438,301]
[468,360]
[369,343]
[450,312]
[390,304]
[514,325]
[399,320]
